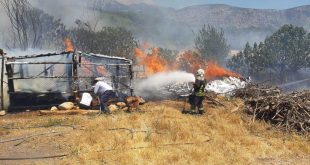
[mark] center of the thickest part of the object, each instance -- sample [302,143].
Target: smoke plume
[152,87]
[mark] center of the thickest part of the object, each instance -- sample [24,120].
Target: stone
[66,106]
[54,108]
[2,113]
[112,108]
[134,100]
[121,104]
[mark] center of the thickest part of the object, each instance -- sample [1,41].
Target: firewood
[69,112]
[285,111]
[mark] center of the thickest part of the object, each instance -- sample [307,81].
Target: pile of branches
[286,111]
[176,90]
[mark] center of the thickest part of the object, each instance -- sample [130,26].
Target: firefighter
[198,92]
[104,91]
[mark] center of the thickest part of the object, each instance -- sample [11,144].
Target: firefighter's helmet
[200,72]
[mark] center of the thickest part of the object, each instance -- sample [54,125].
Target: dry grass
[162,135]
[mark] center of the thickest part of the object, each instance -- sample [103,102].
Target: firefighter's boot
[193,109]
[201,110]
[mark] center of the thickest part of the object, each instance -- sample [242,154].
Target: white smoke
[128,2]
[68,11]
[152,86]
[71,10]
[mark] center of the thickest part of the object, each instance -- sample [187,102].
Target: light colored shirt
[101,87]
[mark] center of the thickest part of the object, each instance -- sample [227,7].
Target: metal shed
[44,80]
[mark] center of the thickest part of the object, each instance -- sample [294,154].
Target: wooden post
[2,73]
[117,79]
[9,72]
[131,78]
[75,76]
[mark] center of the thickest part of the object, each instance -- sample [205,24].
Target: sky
[259,4]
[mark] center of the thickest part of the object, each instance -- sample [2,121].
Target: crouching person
[104,91]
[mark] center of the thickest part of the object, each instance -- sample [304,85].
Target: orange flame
[213,71]
[188,61]
[69,46]
[152,62]
[101,70]
[88,69]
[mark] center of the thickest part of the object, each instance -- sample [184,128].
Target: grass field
[158,135]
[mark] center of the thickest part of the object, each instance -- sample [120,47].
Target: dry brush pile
[286,111]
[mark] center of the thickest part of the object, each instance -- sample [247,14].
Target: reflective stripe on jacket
[199,87]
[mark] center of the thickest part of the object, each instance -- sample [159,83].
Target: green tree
[112,41]
[31,27]
[168,54]
[237,63]
[212,44]
[286,50]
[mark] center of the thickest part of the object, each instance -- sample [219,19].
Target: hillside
[160,134]
[229,17]
[168,27]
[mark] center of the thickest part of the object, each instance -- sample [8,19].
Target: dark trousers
[196,101]
[104,98]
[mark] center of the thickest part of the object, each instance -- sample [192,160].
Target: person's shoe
[201,111]
[192,111]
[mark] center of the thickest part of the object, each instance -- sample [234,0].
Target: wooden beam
[69,112]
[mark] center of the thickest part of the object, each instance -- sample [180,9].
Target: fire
[69,46]
[187,60]
[88,69]
[190,61]
[153,62]
[213,71]
[101,70]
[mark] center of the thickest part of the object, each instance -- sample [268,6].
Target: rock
[134,100]
[141,100]
[130,99]
[134,104]
[112,108]
[2,113]
[54,108]
[121,104]
[66,106]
